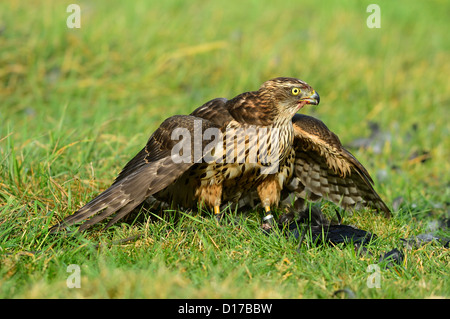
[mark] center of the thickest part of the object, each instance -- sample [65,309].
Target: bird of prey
[260,146]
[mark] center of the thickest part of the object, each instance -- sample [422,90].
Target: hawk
[260,146]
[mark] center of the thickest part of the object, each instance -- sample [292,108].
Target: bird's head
[289,94]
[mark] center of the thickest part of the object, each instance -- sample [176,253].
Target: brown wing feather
[247,108]
[150,171]
[215,111]
[323,168]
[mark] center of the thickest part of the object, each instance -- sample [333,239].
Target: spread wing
[324,168]
[150,171]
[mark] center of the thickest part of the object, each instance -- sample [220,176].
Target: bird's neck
[252,108]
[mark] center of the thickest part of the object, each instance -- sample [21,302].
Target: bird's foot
[218,215]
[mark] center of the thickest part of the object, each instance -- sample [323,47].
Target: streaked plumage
[153,173]
[323,168]
[312,162]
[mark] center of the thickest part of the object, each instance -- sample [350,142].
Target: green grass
[77,104]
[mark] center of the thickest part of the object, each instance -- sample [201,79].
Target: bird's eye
[295,91]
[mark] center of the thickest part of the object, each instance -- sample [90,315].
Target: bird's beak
[313,99]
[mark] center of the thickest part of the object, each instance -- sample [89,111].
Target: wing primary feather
[149,172]
[318,148]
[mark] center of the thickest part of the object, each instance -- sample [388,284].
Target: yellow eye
[295,91]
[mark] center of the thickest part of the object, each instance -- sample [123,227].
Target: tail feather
[127,194]
[149,172]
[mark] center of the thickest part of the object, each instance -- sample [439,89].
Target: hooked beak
[313,99]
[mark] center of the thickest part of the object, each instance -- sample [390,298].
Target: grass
[77,104]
